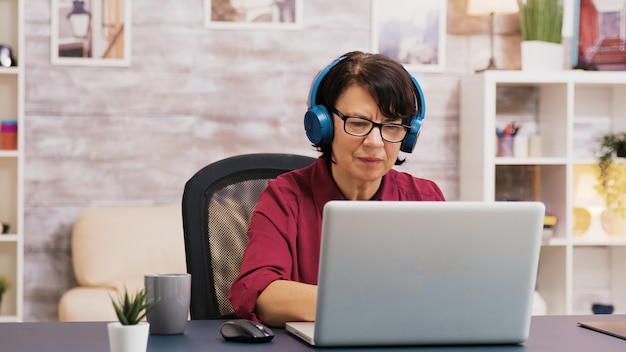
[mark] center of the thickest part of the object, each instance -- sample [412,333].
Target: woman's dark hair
[386,80]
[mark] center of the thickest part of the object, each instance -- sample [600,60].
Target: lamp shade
[79,19]
[586,195]
[486,7]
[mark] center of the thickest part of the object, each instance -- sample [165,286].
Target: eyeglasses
[360,127]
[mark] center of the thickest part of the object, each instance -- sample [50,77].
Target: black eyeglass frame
[373,124]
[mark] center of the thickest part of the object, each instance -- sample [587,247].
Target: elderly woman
[363,110]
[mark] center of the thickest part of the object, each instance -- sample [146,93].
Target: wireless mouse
[242,330]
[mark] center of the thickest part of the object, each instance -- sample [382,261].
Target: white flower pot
[542,56]
[128,338]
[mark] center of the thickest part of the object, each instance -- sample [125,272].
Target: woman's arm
[284,301]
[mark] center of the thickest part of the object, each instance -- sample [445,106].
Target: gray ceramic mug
[172,294]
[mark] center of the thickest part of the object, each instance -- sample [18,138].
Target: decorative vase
[542,56]
[128,338]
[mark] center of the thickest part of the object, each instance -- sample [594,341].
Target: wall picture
[90,32]
[252,14]
[411,32]
[601,35]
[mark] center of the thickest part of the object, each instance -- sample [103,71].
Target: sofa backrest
[116,246]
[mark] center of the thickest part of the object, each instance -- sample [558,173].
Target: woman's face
[361,160]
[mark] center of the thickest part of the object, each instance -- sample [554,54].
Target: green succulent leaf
[131,309]
[4,284]
[541,20]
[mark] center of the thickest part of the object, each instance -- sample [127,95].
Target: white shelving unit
[12,162]
[569,110]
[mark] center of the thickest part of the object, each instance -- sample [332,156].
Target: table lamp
[587,198]
[491,8]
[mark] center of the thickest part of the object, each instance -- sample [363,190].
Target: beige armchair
[113,248]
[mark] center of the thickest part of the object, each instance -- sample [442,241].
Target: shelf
[12,84]
[615,241]
[530,161]
[9,238]
[9,70]
[517,77]
[555,242]
[9,154]
[567,111]
[8,319]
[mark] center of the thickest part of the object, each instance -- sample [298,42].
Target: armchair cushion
[113,248]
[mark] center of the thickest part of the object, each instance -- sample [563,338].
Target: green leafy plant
[541,20]
[4,284]
[611,181]
[130,309]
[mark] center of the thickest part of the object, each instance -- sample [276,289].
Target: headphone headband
[318,80]
[318,122]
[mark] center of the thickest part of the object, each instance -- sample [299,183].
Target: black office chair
[218,202]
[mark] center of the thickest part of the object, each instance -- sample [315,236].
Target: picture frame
[90,32]
[412,32]
[253,14]
[599,41]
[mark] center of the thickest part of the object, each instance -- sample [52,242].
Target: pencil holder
[505,146]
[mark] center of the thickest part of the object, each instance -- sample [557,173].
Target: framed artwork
[253,14]
[600,35]
[90,32]
[411,32]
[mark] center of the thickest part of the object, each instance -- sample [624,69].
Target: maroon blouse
[285,230]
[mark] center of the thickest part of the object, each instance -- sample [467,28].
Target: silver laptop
[425,273]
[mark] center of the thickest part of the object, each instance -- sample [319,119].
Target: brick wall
[100,136]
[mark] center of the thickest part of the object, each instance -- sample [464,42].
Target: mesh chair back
[218,202]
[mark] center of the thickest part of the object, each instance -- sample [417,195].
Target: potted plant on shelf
[130,333]
[4,285]
[541,22]
[611,178]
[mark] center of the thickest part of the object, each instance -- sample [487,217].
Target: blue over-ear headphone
[318,123]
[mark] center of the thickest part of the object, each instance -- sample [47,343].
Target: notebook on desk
[425,273]
[613,328]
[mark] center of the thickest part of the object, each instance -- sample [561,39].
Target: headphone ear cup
[408,144]
[318,125]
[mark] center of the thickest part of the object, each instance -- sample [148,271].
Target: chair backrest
[217,204]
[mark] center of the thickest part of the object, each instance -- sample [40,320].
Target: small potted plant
[130,333]
[611,179]
[4,285]
[541,22]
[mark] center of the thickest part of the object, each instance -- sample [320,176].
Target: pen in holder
[506,140]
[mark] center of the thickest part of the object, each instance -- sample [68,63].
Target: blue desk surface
[548,333]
